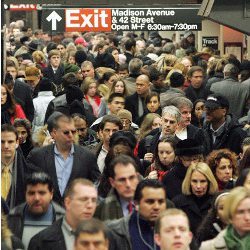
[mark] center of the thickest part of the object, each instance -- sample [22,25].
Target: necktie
[130,207]
[6,181]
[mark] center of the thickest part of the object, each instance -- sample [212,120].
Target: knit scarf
[95,102]
[234,241]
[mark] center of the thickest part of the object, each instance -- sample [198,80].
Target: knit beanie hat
[45,84]
[80,56]
[73,93]
[71,68]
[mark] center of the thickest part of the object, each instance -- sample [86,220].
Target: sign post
[104,19]
[53,20]
[210,41]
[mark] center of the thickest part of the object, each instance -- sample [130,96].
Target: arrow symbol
[54,17]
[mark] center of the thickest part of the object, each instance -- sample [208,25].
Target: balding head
[142,85]
[230,70]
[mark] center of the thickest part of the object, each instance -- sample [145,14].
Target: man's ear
[100,133]
[52,133]
[52,194]
[66,202]
[157,239]
[111,181]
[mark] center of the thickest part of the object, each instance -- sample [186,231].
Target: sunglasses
[81,129]
[67,132]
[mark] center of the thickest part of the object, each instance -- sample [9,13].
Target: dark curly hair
[215,156]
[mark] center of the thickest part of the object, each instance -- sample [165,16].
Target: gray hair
[173,111]
[230,70]
[135,66]
[169,48]
[181,102]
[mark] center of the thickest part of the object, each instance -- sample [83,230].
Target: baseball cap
[188,33]
[216,101]
[32,73]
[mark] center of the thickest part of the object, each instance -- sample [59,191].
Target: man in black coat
[63,160]
[221,129]
[196,89]
[136,103]
[80,204]
[13,167]
[185,129]
[55,71]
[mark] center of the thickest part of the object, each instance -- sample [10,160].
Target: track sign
[53,20]
[87,20]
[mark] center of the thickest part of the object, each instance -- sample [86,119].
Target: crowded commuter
[63,160]
[223,164]
[120,200]
[38,212]
[236,213]
[172,230]
[198,188]
[80,204]
[91,234]
[136,231]
[14,167]
[221,129]
[23,128]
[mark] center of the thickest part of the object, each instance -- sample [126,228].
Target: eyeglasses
[81,129]
[126,122]
[66,132]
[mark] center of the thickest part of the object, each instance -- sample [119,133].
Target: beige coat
[217,243]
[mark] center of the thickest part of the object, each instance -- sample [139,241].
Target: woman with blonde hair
[198,188]
[39,58]
[237,214]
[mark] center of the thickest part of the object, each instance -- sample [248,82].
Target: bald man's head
[142,85]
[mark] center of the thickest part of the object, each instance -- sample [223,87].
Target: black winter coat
[50,238]
[195,208]
[173,180]
[192,133]
[231,138]
[23,95]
